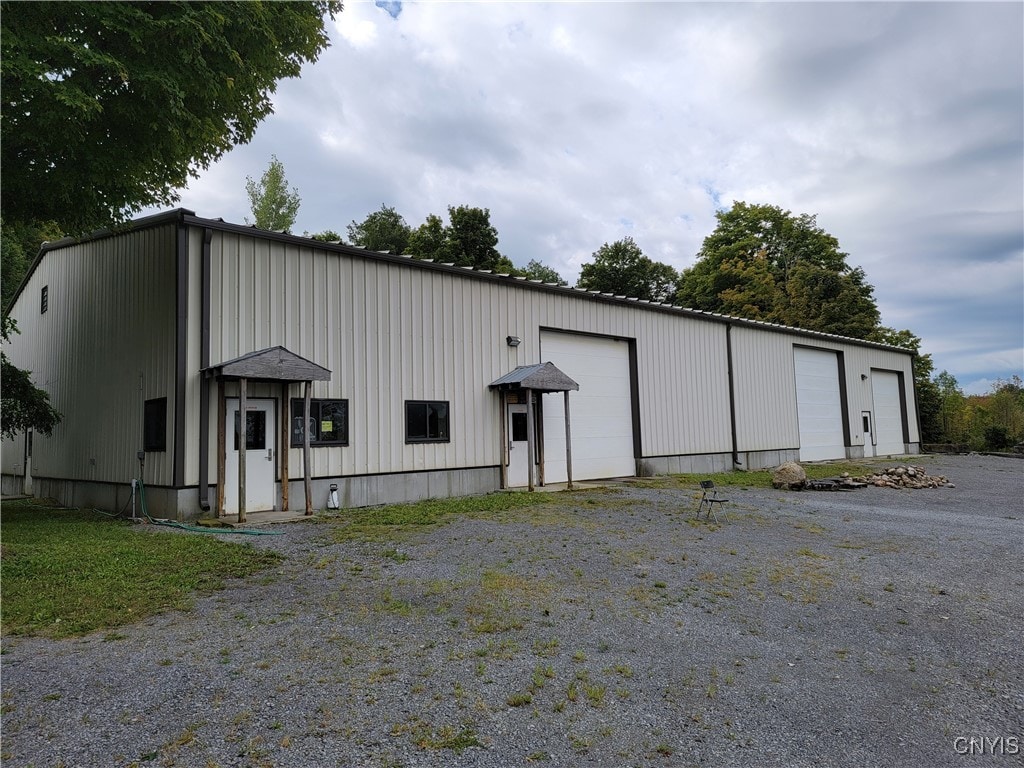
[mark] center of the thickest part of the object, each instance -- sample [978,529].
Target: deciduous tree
[327,236]
[273,206]
[383,230]
[112,107]
[473,239]
[534,270]
[429,240]
[19,244]
[468,240]
[622,269]
[24,405]
[764,263]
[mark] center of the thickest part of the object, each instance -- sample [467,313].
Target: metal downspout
[917,403]
[204,384]
[732,397]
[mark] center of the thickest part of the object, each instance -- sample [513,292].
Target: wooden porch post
[221,445]
[568,444]
[286,441]
[503,411]
[307,396]
[243,441]
[529,438]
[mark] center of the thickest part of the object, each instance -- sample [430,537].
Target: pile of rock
[906,476]
[792,477]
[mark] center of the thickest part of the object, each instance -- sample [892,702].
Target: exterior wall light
[863,377]
[513,341]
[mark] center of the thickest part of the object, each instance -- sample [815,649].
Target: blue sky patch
[393,7]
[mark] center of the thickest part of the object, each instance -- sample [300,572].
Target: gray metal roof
[543,377]
[271,364]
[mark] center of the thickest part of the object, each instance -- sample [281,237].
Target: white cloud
[356,27]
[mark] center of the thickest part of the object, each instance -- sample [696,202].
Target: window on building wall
[426,421]
[327,422]
[44,300]
[154,425]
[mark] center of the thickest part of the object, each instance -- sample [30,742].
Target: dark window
[255,430]
[154,425]
[426,421]
[519,431]
[44,301]
[328,422]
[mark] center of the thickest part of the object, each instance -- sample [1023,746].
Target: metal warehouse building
[397,379]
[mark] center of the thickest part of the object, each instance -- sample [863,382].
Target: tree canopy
[468,240]
[273,206]
[111,107]
[25,406]
[764,263]
[534,270]
[383,230]
[622,269]
[19,243]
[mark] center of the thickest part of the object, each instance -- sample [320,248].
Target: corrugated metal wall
[105,345]
[391,332]
[766,386]
[859,363]
[765,389]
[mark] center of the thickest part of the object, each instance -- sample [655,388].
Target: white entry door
[261,441]
[869,435]
[518,455]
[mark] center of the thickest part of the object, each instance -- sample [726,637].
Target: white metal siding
[765,390]
[105,346]
[818,404]
[885,387]
[391,332]
[600,412]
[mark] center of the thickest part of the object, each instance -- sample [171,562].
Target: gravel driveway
[606,628]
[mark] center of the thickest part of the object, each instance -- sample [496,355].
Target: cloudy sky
[900,125]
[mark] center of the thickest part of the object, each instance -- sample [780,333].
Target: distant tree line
[993,421]
[468,239]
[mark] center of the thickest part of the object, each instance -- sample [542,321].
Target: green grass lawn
[69,572]
[391,521]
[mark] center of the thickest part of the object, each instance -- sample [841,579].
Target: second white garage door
[885,391]
[818,405]
[601,411]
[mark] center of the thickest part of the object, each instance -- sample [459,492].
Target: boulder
[789,476]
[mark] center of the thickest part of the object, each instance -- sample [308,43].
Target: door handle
[510,446]
[270,454]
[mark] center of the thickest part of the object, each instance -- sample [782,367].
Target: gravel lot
[607,628]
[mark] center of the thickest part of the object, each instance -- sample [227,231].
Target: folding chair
[709,496]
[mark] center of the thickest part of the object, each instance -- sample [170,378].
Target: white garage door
[601,411]
[885,393]
[818,406]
